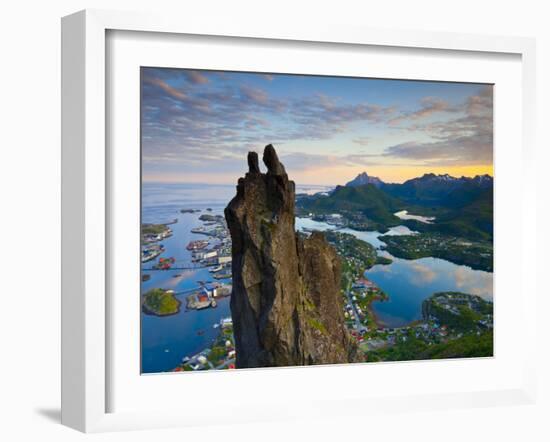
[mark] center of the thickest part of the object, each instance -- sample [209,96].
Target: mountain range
[440,190]
[461,206]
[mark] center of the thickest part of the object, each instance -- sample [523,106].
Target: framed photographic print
[321,260]
[252,214]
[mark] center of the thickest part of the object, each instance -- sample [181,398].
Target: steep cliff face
[286,303]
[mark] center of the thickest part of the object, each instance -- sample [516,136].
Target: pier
[178,265]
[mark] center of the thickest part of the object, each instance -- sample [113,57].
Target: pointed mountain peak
[364,178]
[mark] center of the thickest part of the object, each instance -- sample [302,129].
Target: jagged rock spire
[253,163]
[271,161]
[286,303]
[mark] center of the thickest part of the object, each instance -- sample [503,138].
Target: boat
[164,263]
[151,252]
[197,245]
[224,275]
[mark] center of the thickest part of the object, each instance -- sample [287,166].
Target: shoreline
[150,312]
[377,321]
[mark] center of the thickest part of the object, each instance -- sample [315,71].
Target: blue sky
[197,126]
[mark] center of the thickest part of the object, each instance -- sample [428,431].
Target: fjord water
[409,282]
[166,340]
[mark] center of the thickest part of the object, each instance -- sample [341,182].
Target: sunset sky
[197,126]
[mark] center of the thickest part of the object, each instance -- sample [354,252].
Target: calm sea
[166,340]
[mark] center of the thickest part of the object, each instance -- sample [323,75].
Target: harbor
[199,264]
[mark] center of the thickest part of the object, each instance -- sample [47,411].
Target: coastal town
[292,220]
[446,317]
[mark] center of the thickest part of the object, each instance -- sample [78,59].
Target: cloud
[474,282]
[187,123]
[429,106]
[169,90]
[254,95]
[423,274]
[464,140]
[362,141]
[268,77]
[225,118]
[195,77]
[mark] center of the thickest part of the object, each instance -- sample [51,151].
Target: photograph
[297,220]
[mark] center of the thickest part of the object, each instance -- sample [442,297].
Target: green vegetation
[357,255]
[454,325]
[153,229]
[467,213]
[478,255]
[151,233]
[468,346]
[459,312]
[160,302]
[317,325]
[217,354]
[382,260]
[463,211]
[364,207]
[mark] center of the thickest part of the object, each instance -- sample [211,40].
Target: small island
[160,302]
[476,254]
[151,233]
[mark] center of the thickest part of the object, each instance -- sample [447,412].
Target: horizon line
[156,181]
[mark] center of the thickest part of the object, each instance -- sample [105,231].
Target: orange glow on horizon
[388,174]
[335,175]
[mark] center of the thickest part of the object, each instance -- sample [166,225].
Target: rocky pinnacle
[286,303]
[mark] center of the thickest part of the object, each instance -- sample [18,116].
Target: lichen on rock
[286,304]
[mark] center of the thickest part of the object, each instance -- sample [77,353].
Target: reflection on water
[409,282]
[370,237]
[403,214]
[166,340]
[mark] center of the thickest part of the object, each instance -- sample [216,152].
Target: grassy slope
[474,220]
[159,302]
[466,212]
[369,200]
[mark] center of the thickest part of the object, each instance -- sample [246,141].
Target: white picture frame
[85,200]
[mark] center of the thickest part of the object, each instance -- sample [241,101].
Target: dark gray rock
[253,166]
[286,303]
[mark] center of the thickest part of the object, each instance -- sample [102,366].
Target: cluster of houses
[219,255]
[206,296]
[202,361]
[151,251]
[360,289]
[148,237]
[364,284]
[334,219]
